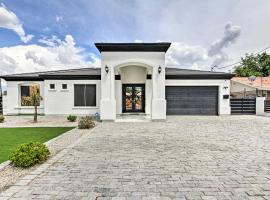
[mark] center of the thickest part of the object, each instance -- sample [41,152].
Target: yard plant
[35,99]
[29,154]
[72,118]
[86,122]
[2,118]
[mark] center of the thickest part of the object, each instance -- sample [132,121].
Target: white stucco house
[132,78]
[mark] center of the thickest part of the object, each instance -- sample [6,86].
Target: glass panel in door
[138,98]
[128,96]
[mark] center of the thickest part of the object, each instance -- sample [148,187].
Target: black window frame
[66,86]
[52,88]
[85,101]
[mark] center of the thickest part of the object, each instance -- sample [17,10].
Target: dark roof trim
[53,77]
[25,78]
[206,76]
[71,77]
[145,47]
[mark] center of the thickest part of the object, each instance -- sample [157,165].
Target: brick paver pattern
[182,158]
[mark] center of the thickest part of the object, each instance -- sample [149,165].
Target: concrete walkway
[183,158]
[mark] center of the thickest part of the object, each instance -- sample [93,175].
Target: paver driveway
[184,158]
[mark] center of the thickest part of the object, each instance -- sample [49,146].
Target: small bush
[72,118]
[29,154]
[86,122]
[2,118]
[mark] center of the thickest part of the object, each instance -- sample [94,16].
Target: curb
[4,165]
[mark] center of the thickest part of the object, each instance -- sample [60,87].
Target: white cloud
[53,41]
[185,56]
[182,55]
[62,54]
[216,50]
[9,20]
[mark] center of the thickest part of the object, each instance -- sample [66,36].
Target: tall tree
[254,65]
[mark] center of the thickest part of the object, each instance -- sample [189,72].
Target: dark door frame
[134,110]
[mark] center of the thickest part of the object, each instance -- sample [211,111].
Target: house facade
[132,78]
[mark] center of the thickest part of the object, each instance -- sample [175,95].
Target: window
[52,86]
[26,92]
[84,95]
[64,86]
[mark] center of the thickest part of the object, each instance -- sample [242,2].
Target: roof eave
[133,47]
[21,78]
[200,76]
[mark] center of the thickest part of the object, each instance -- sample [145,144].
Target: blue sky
[204,33]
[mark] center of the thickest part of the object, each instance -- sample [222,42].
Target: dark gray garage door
[192,100]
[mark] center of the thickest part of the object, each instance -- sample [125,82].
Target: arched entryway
[133,88]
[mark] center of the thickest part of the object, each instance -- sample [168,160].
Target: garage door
[192,100]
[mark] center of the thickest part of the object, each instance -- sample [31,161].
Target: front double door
[133,98]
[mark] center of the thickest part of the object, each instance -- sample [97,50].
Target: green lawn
[10,138]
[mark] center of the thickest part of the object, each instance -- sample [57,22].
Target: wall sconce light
[225,87]
[159,69]
[106,69]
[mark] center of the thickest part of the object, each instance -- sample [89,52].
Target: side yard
[57,132]
[12,137]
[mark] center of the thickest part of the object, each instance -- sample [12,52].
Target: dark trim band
[133,47]
[212,76]
[22,78]
[71,77]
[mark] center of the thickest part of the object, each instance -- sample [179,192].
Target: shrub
[72,118]
[86,122]
[29,154]
[2,118]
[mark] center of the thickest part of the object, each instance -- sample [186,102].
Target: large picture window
[26,92]
[84,95]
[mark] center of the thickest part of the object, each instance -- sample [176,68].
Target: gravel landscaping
[43,121]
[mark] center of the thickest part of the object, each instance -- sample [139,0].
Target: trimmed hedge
[29,154]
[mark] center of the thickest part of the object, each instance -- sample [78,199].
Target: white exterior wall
[223,85]
[13,99]
[110,89]
[61,101]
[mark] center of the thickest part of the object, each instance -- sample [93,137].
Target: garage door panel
[192,100]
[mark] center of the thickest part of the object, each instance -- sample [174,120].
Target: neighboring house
[243,87]
[132,79]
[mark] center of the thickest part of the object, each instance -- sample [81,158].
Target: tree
[254,65]
[35,99]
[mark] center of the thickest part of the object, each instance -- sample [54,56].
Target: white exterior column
[107,102]
[260,105]
[158,93]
